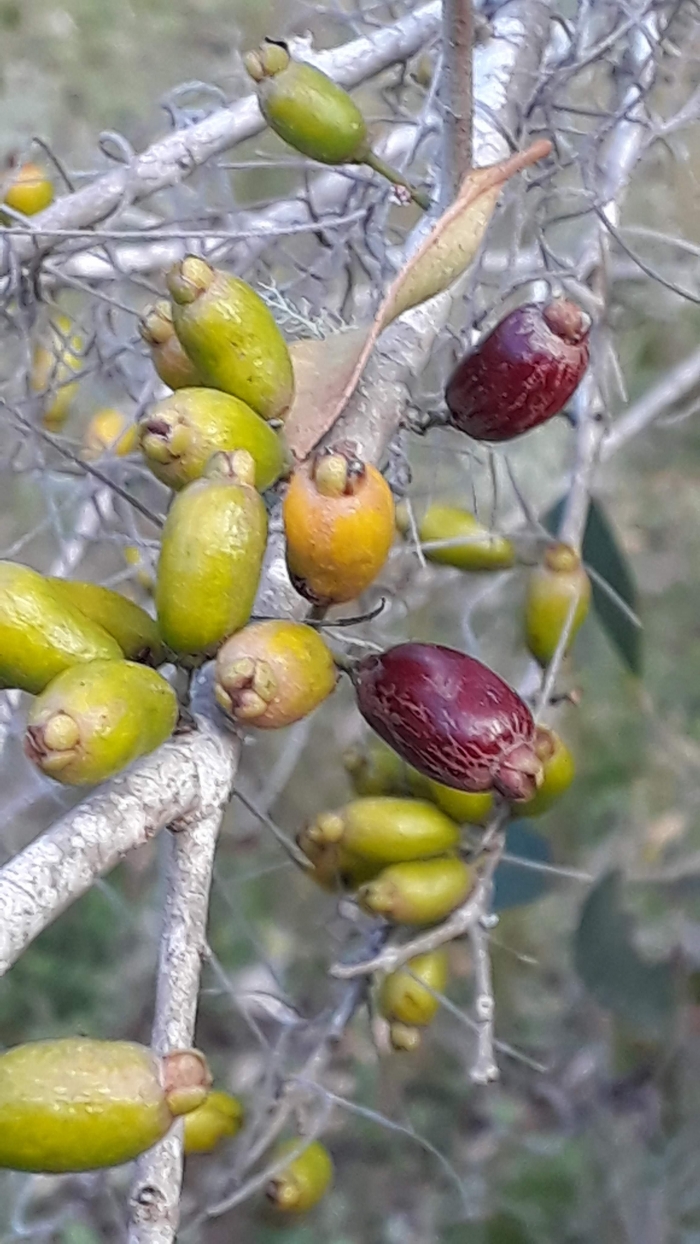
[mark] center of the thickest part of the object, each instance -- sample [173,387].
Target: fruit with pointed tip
[218,1118]
[385,830]
[418,891]
[450,536]
[172,364]
[301,1184]
[135,631]
[272,674]
[558,597]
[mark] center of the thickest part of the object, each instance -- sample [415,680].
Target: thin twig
[456,94]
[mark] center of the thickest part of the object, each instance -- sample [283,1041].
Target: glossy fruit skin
[451,717]
[385,830]
[464,808]
[482,550]
[559,773]
[335,868]
[56,357]
[231,336]
[337,544]
[93,720]
[404,1000]
[77,1104]
[522,374]
[179,435]
[172,364]
[218,1118]
[135,631]
[210,562]
[300,1186]
[29,190]
[109,431]
[553,589]
[417,891]
[272,674]
[374,769]
[40,634]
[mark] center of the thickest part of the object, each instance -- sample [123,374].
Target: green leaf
[602,554]
[515,884]
[613,970]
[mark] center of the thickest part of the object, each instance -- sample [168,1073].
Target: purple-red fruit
[522,374]
[450,717]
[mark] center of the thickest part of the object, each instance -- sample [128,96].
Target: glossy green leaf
[515,885]
[635,989]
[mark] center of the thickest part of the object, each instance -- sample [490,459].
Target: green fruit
[335,868]
[376,769]
[559,773]
[418,891]
[554,589]
[211,557]
[40,634]
[231,337]
[134,630]
[273,673]
[471,545]
[464,807]
[219,1117]
[386,830]
[404,999]
[179,435]
[77,1105]
[93,720]
[173,366]
[300,1186]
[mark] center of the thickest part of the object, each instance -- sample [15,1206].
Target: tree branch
[456,94]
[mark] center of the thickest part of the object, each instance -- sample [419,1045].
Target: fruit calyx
[567,320]
[520,773]
[52,745]
[156,324]
[245,688]
[189,278]
[561,558]
[186,1080]
[271,58]
[338,472]
[238,467]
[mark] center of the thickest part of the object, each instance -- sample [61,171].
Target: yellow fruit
[405,1039]
[335,868]
[95,719]
[554,589]
[219,1117]
[559,773]
[78,1105]
[375,769]
[173,366]
[418,891]
[300,1186]
[29,190]
[386,830]
[211,558]
[56,357]
[231,337]
[134,630]
[40,634]
[179,435]
[468,545]
[405,999]
[273,673]
[463,807]
[339,526]
[110,431]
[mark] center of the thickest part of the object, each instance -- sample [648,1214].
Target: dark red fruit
[450,717]
[522,374]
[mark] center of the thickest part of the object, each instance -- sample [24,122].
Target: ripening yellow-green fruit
[454,537]
[418,891]
[556,590]
[301,1184]
[465,807]
[135,631]
[338,524]
[95,719]
[273,673]
[375,769]
[28,189]
[41,634]
[56,357]
[109,431]
[211,557]
[231,336]
[314,115]
[333,867]
[405,995]
[217,1119]
[387,830]
[172,364]
[559,773]
[77,1104]
[179,435]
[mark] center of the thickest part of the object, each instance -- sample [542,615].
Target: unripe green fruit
[554,589]
[95,719]
[404,999]
[218,1118]
[464,807]
[77,1105]
[559,773]
[374,769]
[41,634]
[179,435]
[300,1186]
[335,868]
[231,337]
[134,630]
[385,830]
[273,673]
[419,891]
[210,559]
[471,545]
[172,364]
